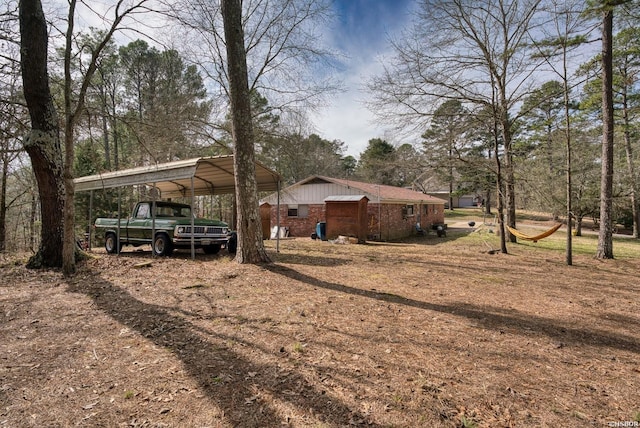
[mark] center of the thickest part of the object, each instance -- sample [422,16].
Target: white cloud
[347,118]
[362,34]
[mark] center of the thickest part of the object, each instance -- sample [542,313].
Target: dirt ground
[431,332]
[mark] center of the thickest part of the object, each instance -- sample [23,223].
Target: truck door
[140,224]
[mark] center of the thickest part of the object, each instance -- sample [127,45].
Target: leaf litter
[426,332]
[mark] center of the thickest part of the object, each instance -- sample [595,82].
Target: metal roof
[212,175]
[375,192]
[345,198]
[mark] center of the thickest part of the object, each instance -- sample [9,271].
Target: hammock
[534,238]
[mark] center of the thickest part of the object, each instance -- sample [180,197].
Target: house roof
[212,175]
[375,192]
[345,198]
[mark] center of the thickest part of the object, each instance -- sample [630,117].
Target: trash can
[321,230]
[440,228]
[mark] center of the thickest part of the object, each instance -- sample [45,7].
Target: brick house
[391,212]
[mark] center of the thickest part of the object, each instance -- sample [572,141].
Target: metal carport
[213,175]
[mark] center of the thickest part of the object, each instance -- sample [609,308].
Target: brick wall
[298,226]
[393,224]
[396,223]
[432,214]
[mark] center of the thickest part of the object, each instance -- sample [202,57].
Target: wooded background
[499,99]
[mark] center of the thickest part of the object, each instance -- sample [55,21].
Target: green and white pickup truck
[172,226]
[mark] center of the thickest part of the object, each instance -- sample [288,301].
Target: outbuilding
[347,215]
[387,213]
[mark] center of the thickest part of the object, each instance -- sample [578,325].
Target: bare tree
[605,236]
[443,140]
[12,109]
[250,246]
[54,173]
[567,30]
[280,53]
[625,61]
[626,57]
[475,52]
[281,44]
[43,142]
[73,111]
[12,127]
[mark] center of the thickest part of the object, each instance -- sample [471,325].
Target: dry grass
[427,332]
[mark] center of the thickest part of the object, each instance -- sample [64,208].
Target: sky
[362,32]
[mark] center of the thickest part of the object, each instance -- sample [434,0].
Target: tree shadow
[144,252]
[301,259]
[490,317]
[622,320]
[194,346]
[431,238]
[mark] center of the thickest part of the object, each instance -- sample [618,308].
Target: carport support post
[153,221]
[379,216]
[278,219]
[90,217]
[193,229]
[118,229]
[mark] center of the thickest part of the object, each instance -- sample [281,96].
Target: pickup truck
[172,230]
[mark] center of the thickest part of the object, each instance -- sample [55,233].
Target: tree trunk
[69,238]
[3,202]
[105,135]
[116,143]
[487,202]
[605,236]
[114,129]
[567,121]
[32,222]
[630,164]
[450,176]
[509,175]
[250,246]
[43,142]
[69,246]
[499,193]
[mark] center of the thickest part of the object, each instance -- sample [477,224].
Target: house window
[408,210]
[299,211]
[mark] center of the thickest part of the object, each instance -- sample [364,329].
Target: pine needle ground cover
[427,332]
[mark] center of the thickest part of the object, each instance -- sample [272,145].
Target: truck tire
[111,243]
[162,245]
[232,243]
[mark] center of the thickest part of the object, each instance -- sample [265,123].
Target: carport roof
[212,175]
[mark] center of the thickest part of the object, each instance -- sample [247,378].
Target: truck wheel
[111,243]
[162,246]
[232,243]
[211,249]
